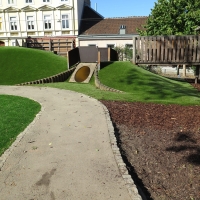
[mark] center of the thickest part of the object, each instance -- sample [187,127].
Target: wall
[20,10]
[104,42]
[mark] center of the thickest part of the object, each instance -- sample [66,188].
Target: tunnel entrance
[82,74]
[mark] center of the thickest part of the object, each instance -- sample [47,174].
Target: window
[11,1]
[13,23]
[112,46]
[47,21]
[64,1]
[0,23]
[29,1]
[65,21]
[30,22]
[46,1]
[130,46]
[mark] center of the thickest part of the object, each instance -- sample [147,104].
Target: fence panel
[168,50]
[60,46]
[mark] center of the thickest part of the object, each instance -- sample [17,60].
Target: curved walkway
[64,154]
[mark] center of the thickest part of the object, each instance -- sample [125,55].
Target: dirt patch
[162,146]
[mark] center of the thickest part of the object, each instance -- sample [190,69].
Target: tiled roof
[112,25]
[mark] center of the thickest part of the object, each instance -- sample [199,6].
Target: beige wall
[19,10]
[104,42]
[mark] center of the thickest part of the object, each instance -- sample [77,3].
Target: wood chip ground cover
[162,146]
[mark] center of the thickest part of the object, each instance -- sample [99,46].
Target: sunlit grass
[16,114]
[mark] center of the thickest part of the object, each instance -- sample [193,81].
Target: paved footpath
[64,154]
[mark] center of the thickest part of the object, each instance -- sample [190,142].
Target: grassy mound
[18,65]
[146,86]
[16,114]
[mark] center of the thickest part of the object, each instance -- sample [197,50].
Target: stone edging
[61,77]
[132,189]
[99,85]
[5,155]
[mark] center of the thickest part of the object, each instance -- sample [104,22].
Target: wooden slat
[162,49]
[170,44]
[174,49]
[142,52]
[154,49]
[166,49]
[145,48]
[158,48]
[194,48]
[198,49]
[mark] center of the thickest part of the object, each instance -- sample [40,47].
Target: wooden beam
[134,50]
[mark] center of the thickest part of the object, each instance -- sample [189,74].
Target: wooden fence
[59,46]
[167,50]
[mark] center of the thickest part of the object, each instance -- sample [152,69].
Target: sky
[123,8]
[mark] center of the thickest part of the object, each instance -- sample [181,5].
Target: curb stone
[132,189]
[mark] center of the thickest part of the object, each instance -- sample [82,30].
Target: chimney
[122,29]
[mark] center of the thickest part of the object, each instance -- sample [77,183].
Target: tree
[173,17]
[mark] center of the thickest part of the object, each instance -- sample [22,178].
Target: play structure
[168,50]
[87,59]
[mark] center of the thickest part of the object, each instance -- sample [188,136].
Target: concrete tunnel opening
[82,74]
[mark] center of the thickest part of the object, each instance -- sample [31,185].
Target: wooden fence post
[184,70]
[108,54]
[134,50]
[197,75]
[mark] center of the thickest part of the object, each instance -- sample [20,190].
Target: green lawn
[26,65]
[16,114]
[18,65]
[138,85]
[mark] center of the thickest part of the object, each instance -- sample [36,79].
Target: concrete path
[65,154]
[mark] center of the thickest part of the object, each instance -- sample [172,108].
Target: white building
[20,19]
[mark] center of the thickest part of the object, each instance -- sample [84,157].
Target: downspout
[74,16]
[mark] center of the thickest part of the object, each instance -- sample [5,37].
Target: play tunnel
[88,58]
[83,73]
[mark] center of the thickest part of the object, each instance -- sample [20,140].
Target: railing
[167,50]
[59,46]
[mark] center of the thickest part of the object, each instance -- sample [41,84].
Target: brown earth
[161,147]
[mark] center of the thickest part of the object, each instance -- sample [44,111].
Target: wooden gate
[167,50]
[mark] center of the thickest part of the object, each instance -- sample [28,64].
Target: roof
[89,18]
[112,25]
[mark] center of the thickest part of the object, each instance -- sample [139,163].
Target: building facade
[20,19]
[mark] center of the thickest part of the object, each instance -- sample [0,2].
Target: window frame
[15,24]
[92,45]
[47,23]
[45,1]
[64,1]
[108,46]
[67,19]
[32,24]
[11,3]
[130,46]
[29,2]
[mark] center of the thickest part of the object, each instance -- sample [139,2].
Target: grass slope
[138,84]
[18,65]
[16,114]
[146,86]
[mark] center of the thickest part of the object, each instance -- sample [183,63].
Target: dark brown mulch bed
[161,145]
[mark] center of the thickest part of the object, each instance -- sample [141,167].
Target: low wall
[101,86]
[61,77]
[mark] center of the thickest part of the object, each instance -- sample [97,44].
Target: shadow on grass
[189,145]
[153,86]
